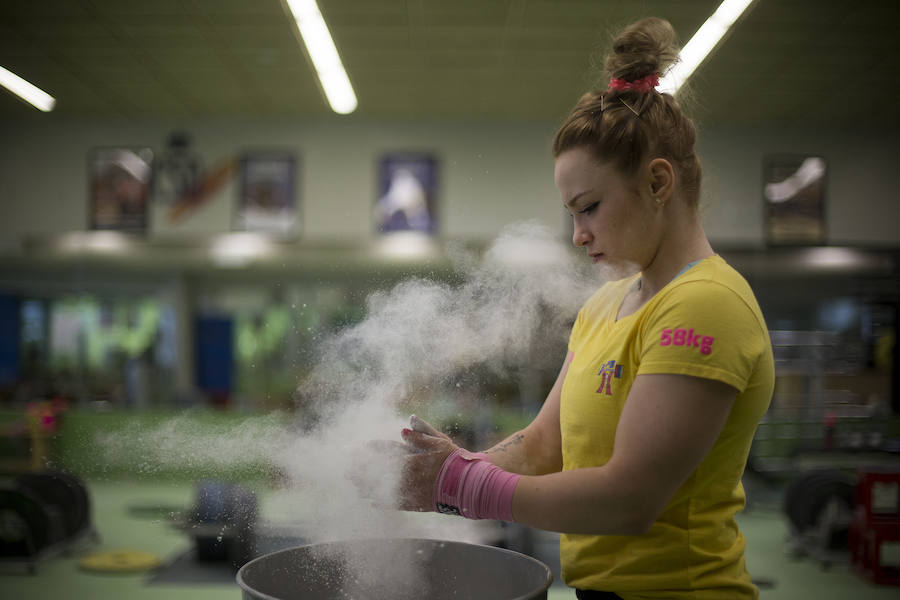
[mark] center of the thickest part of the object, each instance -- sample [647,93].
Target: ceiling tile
[786,61]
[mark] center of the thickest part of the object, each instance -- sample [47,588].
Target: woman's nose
[580,237]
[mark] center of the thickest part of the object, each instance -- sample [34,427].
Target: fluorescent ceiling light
[324,56]
[26,91]
[703,42]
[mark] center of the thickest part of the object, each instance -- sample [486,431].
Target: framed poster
[120,188]
[794,198]
[407,193]
[266,201]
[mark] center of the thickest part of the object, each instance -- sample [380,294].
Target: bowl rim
[239,577]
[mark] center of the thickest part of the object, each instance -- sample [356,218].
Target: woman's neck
[684,242]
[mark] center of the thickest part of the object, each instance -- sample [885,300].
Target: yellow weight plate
[119,561]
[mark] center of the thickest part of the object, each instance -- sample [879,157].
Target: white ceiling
[799,62]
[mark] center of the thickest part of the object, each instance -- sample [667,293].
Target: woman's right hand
[428,449]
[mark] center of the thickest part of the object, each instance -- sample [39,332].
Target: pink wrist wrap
[469,485]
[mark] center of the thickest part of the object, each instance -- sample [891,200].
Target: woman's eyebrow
[575,198]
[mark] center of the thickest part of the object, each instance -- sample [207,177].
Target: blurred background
[199,211]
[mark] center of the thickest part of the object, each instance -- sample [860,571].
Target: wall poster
[120,188]
[266,201]
[407,193]
[794,197]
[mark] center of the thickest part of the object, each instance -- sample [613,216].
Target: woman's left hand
[429,448]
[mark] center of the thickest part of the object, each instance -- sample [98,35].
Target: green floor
[120,527]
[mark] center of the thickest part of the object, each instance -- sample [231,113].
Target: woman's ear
[662,179]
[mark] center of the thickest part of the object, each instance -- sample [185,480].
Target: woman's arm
[668,425]
[537,449]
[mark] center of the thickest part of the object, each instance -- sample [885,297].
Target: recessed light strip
[703,42]
[324,55]
[26,91]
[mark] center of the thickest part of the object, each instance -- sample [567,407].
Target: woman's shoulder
[715,286]
[709,274]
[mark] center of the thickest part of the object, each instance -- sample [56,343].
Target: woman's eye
[589,208]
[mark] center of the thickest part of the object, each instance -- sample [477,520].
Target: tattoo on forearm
[516,439]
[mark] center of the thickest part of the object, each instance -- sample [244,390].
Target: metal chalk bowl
[394,569]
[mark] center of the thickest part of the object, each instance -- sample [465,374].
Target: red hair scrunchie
[644,84]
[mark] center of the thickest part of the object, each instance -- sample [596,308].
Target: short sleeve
[704,329]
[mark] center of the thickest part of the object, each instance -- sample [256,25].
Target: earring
[658,200]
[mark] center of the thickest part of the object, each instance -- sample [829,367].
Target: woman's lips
[597,257]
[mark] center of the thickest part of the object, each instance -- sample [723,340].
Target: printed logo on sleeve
[686,337]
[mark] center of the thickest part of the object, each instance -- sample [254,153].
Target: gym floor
[121,525]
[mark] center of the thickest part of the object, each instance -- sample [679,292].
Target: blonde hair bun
[646,47]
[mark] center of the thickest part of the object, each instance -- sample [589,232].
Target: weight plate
[82,500]
[53,490]
[809,493]
[25,525]
[120,561]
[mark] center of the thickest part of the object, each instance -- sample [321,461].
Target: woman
[637,454]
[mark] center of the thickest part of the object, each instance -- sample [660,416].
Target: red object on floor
[870,528]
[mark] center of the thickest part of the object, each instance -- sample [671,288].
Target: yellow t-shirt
[704,323]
